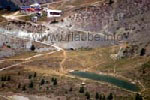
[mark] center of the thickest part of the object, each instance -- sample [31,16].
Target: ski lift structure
[34,8]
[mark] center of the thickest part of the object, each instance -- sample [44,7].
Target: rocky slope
[123,16]
[128,18]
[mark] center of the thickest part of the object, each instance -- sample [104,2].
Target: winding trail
[14,16]
[30,59]
[63,61]
[27,60]
[58,49]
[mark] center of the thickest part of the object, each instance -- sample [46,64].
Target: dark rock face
[14,4]
[9,5]
[134,50]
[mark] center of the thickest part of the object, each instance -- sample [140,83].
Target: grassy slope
[47,65]
[94,60]
[99,60]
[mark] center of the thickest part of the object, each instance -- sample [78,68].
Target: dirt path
[30,59]
[35,56]
[27,60]
[14,16]
[63,61]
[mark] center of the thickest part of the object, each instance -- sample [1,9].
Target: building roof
[50,10]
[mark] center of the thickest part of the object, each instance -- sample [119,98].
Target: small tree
[19,86]
[8,78]
[87,94]
[81,89]
[2,78]
[111,2]
[142,52]
[138,97]
[32,48]
[70,89]
[34,74]
[8,46]
[52,79]
[110,96]
[31,84]
[3,85]
[5,78]
[55,81]
[97,97]
[47,88]
[30,76]
[42,81]
[103,97]
[19,73]
[24,88]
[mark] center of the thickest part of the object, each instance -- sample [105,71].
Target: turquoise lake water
[109,79]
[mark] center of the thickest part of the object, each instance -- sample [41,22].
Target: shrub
[8,78]
[42,81]
[97,96]
[87,94]
[30,76]
[110,96]
[24,88]
[3,85]
[81,90]
[31,84]
[19,73]
[138,97]
[55,81]
[32,48]
[70,89]
[19,86]
[52,79]
[34,74]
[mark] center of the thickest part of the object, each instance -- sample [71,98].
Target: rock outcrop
[123,16]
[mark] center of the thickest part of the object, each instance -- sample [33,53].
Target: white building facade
[53,13]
